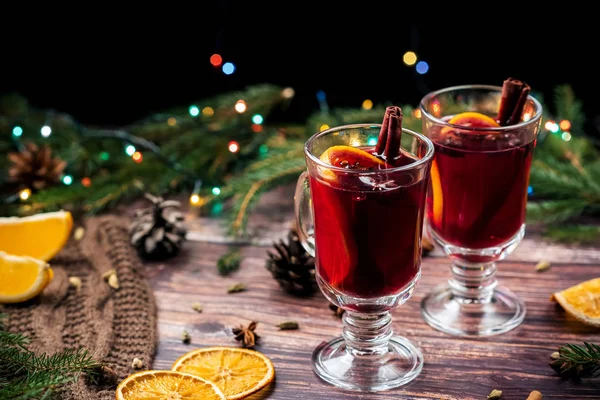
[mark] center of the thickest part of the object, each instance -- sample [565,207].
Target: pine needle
[578,361]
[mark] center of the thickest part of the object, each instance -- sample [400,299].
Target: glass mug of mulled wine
[360,211]
[484,137]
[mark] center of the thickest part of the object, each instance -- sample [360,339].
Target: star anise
[246,335]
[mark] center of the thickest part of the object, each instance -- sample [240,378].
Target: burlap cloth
[114,325]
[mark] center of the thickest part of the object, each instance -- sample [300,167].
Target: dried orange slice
[39,236]
[582,301]
[22,278]
[473,119]
[350,157]
[166,385]
[237,372]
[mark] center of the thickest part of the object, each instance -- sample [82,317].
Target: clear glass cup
[364,228]
[476,207]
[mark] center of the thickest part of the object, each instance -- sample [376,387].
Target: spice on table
[288,325]
[337,310]
[197,307]
[535,395]
[555,355]
[79,232]
[137,363]
[246,335]
[495,394]
[238,287]
[185,337]
[543,266]
[75,281]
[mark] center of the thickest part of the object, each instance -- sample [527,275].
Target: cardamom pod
[197,307]
[108,273]
[542,266]
[185,337]
[137,363]
[555,355]
[495,394]
[79,232]
[75,281]
[238,287]
[113,281]
[288,325]
[535,395]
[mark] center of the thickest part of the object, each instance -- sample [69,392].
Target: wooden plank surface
[455,368]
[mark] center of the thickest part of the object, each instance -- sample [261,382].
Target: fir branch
[8,339]
[581,234]
[229,262]
[578,361]
[247,197]
[67,362]
[568,107]
[554,211]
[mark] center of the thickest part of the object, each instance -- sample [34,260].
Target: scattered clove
[185,337]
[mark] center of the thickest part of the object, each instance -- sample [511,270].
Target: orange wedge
[39,236]
[237,372]
[22,278]
[473,119]
[167,385]
[582,301]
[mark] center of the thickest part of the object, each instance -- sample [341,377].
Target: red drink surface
[478,192]
[368,237]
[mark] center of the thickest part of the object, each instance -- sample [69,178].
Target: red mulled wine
[368,226]
[479,180]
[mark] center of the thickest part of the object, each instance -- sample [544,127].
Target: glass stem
[473,283]
[367,334]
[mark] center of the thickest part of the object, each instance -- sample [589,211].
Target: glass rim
[424,113]
[428,156]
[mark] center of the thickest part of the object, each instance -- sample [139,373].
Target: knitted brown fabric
[116,325]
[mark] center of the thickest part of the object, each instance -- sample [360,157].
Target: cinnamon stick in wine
[388,142]
[514,96]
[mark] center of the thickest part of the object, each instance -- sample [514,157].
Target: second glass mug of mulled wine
[484,139]
[360,212]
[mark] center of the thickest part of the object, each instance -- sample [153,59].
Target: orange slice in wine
[350,157]
[347,157]
[436,192]
[473,119]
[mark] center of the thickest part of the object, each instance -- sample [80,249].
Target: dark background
[110,67]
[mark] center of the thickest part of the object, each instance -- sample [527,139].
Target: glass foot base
[456,316]
[333,363]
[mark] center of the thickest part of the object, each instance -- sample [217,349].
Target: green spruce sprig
[578,361]
[26,375]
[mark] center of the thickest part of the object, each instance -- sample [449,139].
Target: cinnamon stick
[388,142]
[514,96]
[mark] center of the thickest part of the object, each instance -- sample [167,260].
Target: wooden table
[455,368]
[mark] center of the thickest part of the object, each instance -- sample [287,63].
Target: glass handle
[304,215]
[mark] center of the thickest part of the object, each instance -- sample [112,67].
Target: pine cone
[292,266]
[158,231]
[35,168]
